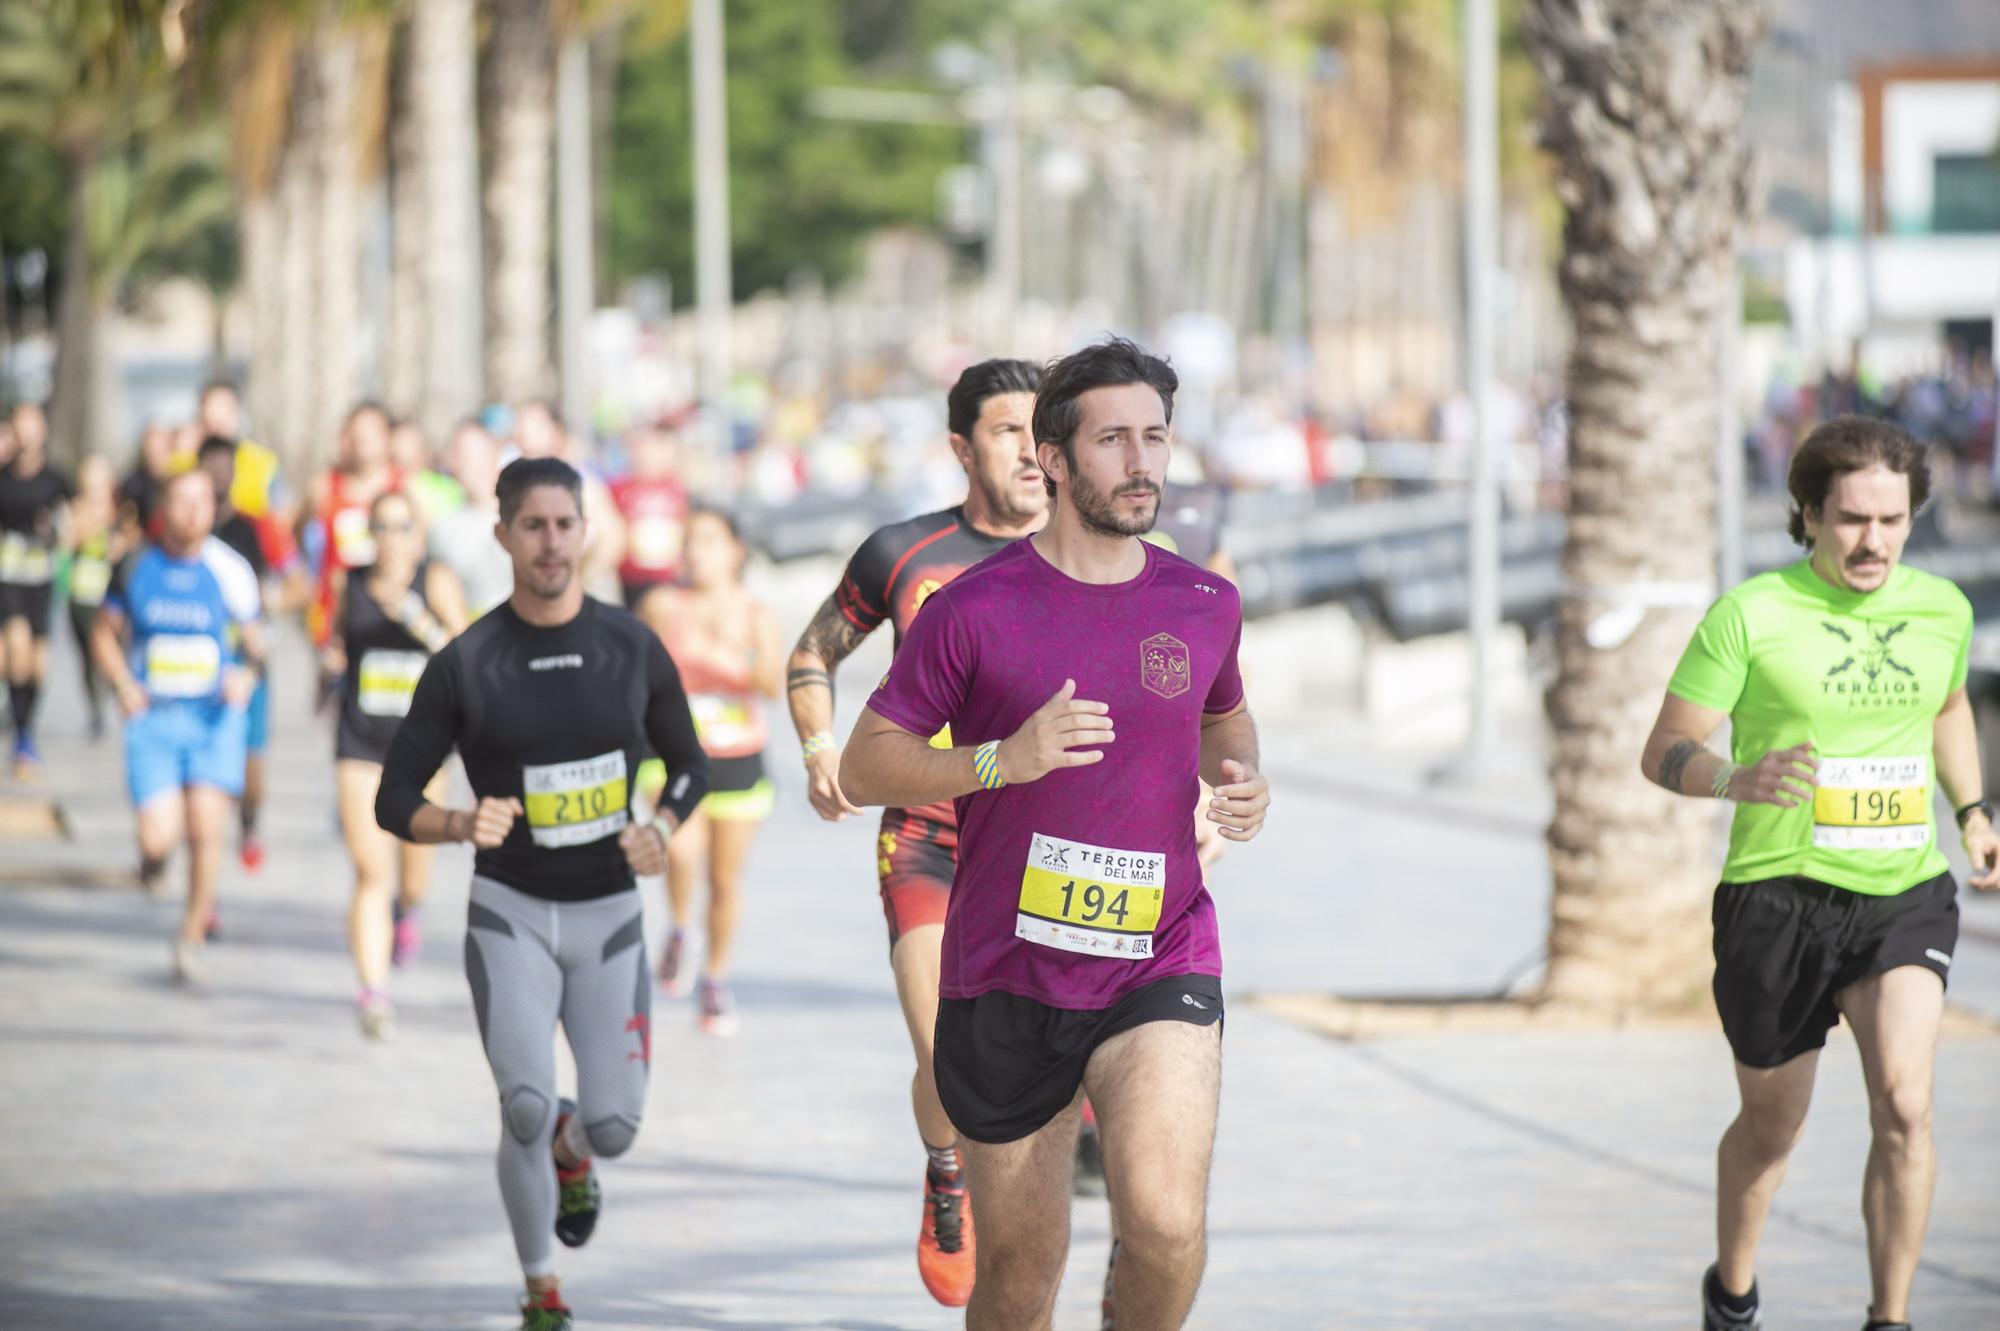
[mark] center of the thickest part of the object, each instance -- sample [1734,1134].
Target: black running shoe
[578,1198]
[1873,1325]
[1716,1317]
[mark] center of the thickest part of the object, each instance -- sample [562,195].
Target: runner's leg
[1156,1088]
[914,959]
[1022,1206]
[208,812]
[728,848]
[1895,1017]
[517,990]
[687,851]
[607,1008]
[371,850]
[1750,1162]
[82,618]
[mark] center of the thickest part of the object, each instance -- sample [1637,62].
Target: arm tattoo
[830,636]
[808,679]
[1675,764]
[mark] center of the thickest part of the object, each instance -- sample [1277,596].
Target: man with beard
[890,577]
[1081,953]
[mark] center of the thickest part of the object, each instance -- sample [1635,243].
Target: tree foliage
[803,189]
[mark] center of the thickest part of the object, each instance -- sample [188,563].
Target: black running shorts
[29,601]
[1008,1065]
[1785,946]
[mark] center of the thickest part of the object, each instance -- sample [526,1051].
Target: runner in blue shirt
[180,639]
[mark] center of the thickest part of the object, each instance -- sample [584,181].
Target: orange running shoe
[945,1245]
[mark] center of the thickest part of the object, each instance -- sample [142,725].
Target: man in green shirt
[1843,679]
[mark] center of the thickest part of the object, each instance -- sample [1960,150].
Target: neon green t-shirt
[1861,676]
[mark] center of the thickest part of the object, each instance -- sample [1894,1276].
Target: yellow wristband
[986,765]
[816,744]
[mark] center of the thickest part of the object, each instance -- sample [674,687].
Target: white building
[1912,260]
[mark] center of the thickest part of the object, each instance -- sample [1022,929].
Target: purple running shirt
[1080,887]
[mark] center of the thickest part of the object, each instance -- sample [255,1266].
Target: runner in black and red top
[888,580]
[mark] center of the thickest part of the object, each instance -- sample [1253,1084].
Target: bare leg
[687,851]
[369,930]
[208,816]
[728,847]
[1750,1163]
[1895,1017]
[162,823]
[914,959]
[1020,1200]
[1156,1089]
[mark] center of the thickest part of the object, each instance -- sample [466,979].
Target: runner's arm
[1956,748]
[447,599]
[1677,757]
[828,640]
[1230,764]
[107,649]
[670,728]
[423,741]
[887,765]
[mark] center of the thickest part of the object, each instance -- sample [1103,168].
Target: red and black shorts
[915,858]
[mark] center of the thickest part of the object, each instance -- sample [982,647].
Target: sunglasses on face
[392,528]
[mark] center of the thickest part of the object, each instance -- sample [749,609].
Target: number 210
[1095,905]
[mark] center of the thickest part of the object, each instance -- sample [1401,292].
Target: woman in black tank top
[389,618]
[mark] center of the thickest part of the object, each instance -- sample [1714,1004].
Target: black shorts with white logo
[1785,946]
[1007,1065]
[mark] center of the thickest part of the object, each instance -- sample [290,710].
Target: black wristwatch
[1977,806]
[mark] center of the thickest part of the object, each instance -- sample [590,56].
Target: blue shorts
[174,745]
[257,738]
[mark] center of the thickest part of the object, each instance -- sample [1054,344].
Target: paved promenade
[243,1159]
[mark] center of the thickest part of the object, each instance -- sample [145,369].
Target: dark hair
[363,408]
[989,378]
[1852,443]
[721,515]
[1107,364]
[525,474]
[212,445]
[218,386]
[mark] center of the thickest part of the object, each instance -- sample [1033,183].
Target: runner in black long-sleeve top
[552,701]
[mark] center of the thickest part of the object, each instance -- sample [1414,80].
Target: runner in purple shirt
[1090,680]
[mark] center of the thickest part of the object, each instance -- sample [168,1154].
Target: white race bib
[385,681]
[182,665]
[23,561]
[1872,804]
[89,579]
[1083,898]
[573,804]
[353,542]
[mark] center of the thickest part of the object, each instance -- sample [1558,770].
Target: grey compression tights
[530,961]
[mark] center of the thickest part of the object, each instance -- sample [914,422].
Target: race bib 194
[387,680]
[1083,898]
[573,804]
[1872,804]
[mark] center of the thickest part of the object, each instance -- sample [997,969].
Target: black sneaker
[578,1198]
[1873,1325]
[1715,1316]
[1088,1180]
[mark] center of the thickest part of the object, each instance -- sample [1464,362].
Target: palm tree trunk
[403,369]
[336,251]
[519,117]
[442,55]
[72,400]
[1644,113]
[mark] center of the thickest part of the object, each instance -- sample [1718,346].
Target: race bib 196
[182,665]
[573,804]
[1872,804]
[386,681]
[1084,898]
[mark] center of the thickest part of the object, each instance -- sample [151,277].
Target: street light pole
[713,295]
[1482,189]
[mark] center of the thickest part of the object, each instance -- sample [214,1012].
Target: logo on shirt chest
[1164,665]
[1863,667]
